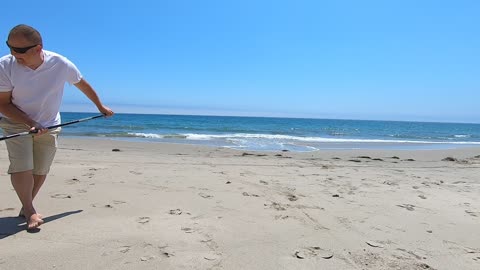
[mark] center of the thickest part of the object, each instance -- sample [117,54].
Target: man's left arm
[88,90]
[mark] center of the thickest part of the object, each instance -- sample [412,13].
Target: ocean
[274,134]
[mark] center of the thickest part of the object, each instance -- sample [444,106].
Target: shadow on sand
[12,225]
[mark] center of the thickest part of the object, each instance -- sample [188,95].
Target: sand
[125,205]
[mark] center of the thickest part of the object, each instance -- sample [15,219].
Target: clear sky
[370,59]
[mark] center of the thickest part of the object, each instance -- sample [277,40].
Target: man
[31,88]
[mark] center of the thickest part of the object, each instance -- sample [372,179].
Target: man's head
[25,43]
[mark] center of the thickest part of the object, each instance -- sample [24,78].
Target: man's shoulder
[6,60]
[6,57]
[49,55]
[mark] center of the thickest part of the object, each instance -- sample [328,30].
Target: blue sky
[395,60]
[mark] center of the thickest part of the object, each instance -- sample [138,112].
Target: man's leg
[44,149]
[20,154]
[23,183]
[38,181]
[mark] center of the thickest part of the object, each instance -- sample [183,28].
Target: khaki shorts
[29,152]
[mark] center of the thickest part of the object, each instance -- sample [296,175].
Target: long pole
[50,127]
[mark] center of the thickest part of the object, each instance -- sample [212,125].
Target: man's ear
[39,48]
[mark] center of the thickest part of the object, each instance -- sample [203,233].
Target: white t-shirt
[38,93]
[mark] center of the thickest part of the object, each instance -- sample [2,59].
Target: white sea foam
[242,138]
[310,139]
[147,135]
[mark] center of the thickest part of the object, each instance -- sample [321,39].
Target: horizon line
[277,117]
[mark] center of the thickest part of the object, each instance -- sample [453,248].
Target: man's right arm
[9,110]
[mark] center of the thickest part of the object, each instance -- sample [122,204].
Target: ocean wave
[157,136]
[461,136]
[312,139]
[273,137]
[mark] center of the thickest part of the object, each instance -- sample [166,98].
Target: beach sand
[167,206]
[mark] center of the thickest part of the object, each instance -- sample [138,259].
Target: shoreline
[113,204]
[324,146]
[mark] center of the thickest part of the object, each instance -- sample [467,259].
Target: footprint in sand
[61,196]
[212,257]
[411,253]
[205,196]
[210,243]
[89,175]
[136,173]
[7,209]
[473,214]
[166,254]
[150,252]
[176,212]
[459,182]
[81,191]
[409,207]
[250,195]
[277,217]
[277,206]
[311,252]
[106,205]
[73,181]
[390,183]
[374,244]
[188,230]
[147,258]
[119,202]
[292,197]
[143,220]
[124,249]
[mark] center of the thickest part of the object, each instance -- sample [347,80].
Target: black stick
[50,127]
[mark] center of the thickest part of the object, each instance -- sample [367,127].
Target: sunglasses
[20,50]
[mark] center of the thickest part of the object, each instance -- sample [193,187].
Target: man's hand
[105,111]
[38,129]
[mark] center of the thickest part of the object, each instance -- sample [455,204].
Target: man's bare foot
[22,214]
[34,221]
